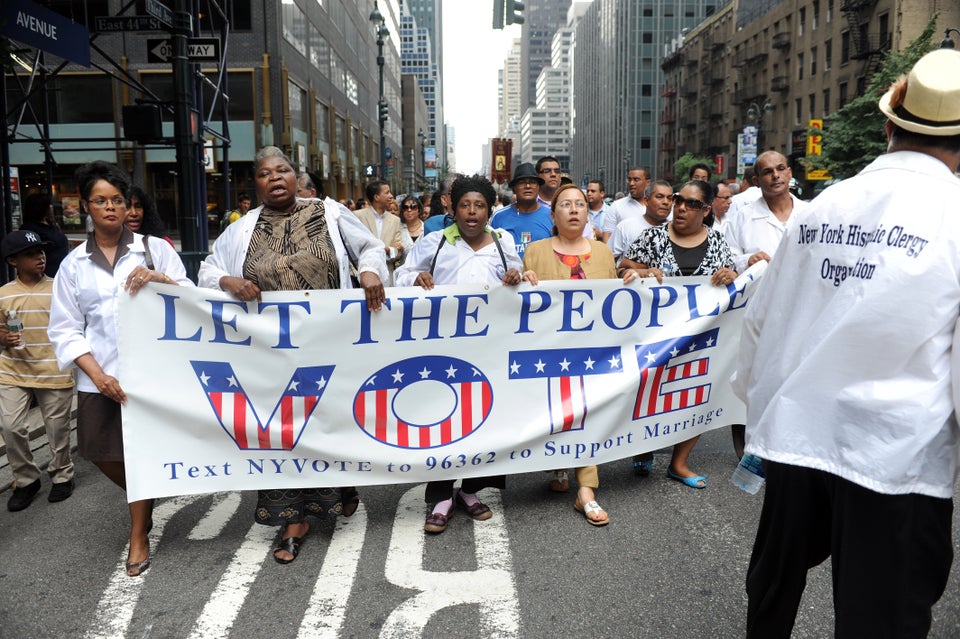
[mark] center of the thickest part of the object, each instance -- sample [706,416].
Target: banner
[308,388]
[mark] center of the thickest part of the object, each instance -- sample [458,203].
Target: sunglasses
[690,203]
[410,207]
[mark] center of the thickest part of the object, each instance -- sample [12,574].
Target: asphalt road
[671,564]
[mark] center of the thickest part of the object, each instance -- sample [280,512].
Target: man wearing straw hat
[850,367]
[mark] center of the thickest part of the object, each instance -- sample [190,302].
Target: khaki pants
[55,408]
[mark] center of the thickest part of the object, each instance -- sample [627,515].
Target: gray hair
[270,152]
[648,192]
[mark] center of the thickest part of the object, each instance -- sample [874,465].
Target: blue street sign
[38,27]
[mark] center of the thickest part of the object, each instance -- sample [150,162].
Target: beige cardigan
[539,258]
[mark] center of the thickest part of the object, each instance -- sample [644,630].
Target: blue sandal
[697,482]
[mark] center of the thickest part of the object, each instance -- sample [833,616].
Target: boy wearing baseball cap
[28,369]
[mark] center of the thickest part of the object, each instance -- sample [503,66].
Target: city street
[671,564]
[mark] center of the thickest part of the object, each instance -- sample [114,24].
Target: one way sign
[198,49]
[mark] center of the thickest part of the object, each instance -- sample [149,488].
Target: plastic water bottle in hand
[748,475]
[15,325]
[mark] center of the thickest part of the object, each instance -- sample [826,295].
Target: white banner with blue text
[308,388]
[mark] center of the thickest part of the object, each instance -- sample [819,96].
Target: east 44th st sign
[198,50]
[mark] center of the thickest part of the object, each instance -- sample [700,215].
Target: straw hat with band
[930,103]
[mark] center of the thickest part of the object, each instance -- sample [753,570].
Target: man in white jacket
[849,366]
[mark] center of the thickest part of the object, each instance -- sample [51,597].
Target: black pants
[442,489]
[890,555]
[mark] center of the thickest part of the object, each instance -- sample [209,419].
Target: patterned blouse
[574,262]
[655,249]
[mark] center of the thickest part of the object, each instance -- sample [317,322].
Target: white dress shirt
[458,263]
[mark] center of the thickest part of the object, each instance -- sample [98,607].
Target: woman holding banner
[83,327]
[683,246]
[292,244]
[466,252]
[568,255]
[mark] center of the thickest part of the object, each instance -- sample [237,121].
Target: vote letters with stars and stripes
[309,388]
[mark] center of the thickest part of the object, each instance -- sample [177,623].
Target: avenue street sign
[198,49]
[160,11]
[105,24]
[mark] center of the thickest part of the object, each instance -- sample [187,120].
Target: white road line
[213,522]
[327,607]
[221,610]
[491,585]
[115,609]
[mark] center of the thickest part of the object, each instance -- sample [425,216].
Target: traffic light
[384,110]
[498,10]
[369,171]
[514,12]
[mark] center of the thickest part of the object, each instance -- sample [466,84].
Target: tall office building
[545,128]
[428,15]
[510,79]
[542,18]
[619,46]
[416,57]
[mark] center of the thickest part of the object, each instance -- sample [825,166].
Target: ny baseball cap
[18,241]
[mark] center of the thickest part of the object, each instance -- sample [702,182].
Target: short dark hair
[36,207]
[599,183]
[243,196]
[645,170]
[546,158]
[949,143]
[699,165]
[89,174]
[647,192]
[373,188]
[472,183]
[314,182]
[705,188]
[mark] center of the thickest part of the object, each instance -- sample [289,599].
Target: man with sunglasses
[756,231]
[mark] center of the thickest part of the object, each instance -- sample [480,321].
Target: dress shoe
[59,492]
[22,496]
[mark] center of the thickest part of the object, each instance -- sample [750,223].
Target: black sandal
[350,501]
[291,545]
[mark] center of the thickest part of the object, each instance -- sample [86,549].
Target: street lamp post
[377,19]
[755,112]
[947,42]
[423,158]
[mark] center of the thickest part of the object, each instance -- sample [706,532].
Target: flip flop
[699,482]
[588,509]
[560,482]
[642,467]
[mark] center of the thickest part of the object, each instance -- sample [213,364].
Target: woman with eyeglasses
[83,326]
[683,246]
[568,255]
[411,213]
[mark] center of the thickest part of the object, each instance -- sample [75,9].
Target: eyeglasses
[690,203]
[548,171]
[572,204]
[101,202]
[410,207]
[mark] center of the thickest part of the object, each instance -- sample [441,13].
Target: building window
[827,55]
[826,102]
[829,10]
[295,27]
[798,106]
[815,18]
[812,99]
[647,37]
[801,19]
[799,66]
[844,47]
[323,122]
[813,61]
[843,95]
[295,98]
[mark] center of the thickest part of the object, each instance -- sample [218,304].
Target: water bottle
[15,325]
[748,475]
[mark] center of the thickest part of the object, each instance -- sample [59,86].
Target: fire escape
[866,47]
